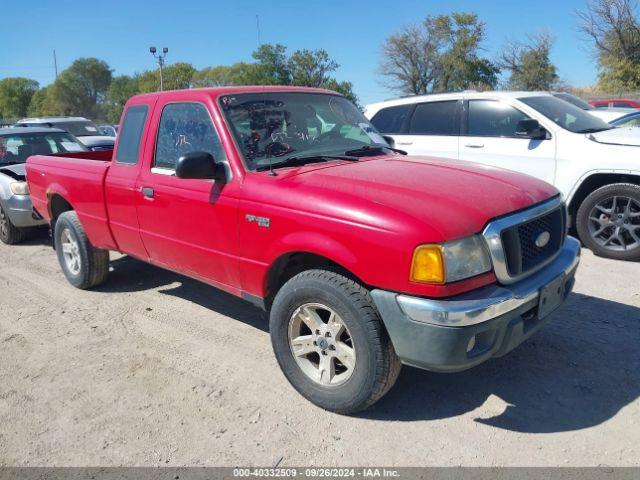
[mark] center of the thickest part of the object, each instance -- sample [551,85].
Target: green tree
[81,89]
[271,66]
[441,54]
[15,96]
[121,89]
[174,77]
[223,75]
[529,65]
[461,67]
[613,28]
[310,68]
[42,103]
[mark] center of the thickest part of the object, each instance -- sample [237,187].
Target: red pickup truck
[288,197]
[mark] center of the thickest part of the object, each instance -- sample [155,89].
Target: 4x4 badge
[261,221]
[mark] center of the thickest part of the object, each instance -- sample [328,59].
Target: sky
[213,32]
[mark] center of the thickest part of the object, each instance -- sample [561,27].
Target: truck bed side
[73,181]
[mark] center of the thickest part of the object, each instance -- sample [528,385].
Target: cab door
[122,177]
[188,225]
[489,137]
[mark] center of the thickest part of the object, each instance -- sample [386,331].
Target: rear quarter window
[131,134]
[391,119]
[435,118]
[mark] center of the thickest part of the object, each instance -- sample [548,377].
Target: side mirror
[530,128]
[199,165]
[390,140]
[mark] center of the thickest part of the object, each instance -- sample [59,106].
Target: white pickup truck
[595,166]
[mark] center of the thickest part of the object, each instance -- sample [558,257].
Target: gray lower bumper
[463,331]
[20,211]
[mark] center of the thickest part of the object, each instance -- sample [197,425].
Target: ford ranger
[290,199]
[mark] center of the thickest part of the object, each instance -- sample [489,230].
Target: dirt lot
[157,369]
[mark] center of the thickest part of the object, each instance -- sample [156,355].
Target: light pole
[160,57]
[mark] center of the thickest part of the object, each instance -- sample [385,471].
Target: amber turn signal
[428,265]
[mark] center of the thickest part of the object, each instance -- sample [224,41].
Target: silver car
[16,145]
[85,130]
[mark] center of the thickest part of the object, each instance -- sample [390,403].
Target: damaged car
[17,218]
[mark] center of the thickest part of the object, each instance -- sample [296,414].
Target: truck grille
[519,242]
[524,242]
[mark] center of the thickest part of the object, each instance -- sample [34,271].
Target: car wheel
[330,342]
[84,265]
[608,221]
[9,233]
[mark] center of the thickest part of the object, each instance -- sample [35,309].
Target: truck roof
[456,95]
[215,91]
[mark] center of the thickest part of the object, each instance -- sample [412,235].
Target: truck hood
[446,198]
[628,136]
[17,172]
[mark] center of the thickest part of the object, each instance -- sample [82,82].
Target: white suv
[595,166]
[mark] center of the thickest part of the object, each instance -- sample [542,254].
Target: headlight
[450,261]
[19,188]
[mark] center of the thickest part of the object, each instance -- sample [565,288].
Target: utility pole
[55,63]
[160,58]
[258,29]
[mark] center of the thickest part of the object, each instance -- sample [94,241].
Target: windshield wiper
[300,160]
[594,130]
[372,150]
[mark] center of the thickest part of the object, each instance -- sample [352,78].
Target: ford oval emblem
[543,239]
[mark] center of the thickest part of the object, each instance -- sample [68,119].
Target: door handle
[474,145]
[404,143]
[147,192]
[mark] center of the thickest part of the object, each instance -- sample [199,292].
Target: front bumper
[463,331]
[20,211]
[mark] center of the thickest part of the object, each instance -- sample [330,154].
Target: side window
[52,144]
[435,118]
[490,118]
[391,119]
[184,128]
[131,134]
[621,105]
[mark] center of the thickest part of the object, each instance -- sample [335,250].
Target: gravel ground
[157,369]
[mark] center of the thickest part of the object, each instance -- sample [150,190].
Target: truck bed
[79,179]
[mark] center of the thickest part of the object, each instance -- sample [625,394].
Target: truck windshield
[269,127]
[566,115]
[16,148]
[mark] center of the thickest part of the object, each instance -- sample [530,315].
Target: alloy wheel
[614,223]
[321,344]
[71,251]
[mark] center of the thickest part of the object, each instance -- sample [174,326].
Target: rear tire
[84,265]
[608,221]
[370,368]
[9,233]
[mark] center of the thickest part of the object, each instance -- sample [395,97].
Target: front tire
[330,342]
[608,221]
[84,265]
[9,233]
